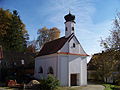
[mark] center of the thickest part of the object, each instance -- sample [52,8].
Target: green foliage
[107,86]
[13,35]
[106,64]
[111,87]
[10,78]
[50,83]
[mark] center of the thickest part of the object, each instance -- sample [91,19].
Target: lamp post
[23,62]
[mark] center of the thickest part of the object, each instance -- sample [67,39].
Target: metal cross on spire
[69,10]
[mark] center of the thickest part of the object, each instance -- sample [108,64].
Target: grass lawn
[110,87]
[107,87]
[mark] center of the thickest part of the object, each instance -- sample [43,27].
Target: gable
[75,39]
[63,45]
[69,47]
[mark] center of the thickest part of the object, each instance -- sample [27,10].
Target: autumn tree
[13,35]
[46,35]
[54,33]
[107,63]
[31,46]
[113,41]
[31,49]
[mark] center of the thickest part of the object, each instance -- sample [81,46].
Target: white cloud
[88,33]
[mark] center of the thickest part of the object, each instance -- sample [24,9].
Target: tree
[13,35]
[31,49]
[43,36]
[113,41]
[107,63]
[54,33]
[46,35]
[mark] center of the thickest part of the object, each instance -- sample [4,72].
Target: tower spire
[69,10]
[70,17]
[69,24]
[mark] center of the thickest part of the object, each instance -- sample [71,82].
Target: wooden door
[73,79]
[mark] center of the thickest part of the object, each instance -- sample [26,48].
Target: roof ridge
[53,46]
[60,38]
[55,39]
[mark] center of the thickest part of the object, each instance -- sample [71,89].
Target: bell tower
[69,24]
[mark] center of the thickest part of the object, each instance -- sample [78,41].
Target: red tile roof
[66,53]
[53,46]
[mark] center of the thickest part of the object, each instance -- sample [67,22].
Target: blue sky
[93,17]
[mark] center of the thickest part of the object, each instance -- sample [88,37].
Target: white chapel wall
[75,67]
[63,68]
[83,75]
[74,49]
[69,26]
[45,62]
[74,64]
[68,47]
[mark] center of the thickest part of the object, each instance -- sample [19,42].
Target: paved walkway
[94,87]
[90,87]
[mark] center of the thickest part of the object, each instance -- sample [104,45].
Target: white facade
[69,64]
[69,28]
[64,65]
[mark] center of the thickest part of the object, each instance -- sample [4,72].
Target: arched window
[65,28]
[74,45]
[40,70]
[50,70]
[73,28]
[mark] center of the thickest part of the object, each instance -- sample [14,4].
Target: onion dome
[70,17]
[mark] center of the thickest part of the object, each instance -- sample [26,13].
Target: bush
[117,82]
[50,83]
[111,87]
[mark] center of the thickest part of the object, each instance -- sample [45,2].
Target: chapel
[64,58]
